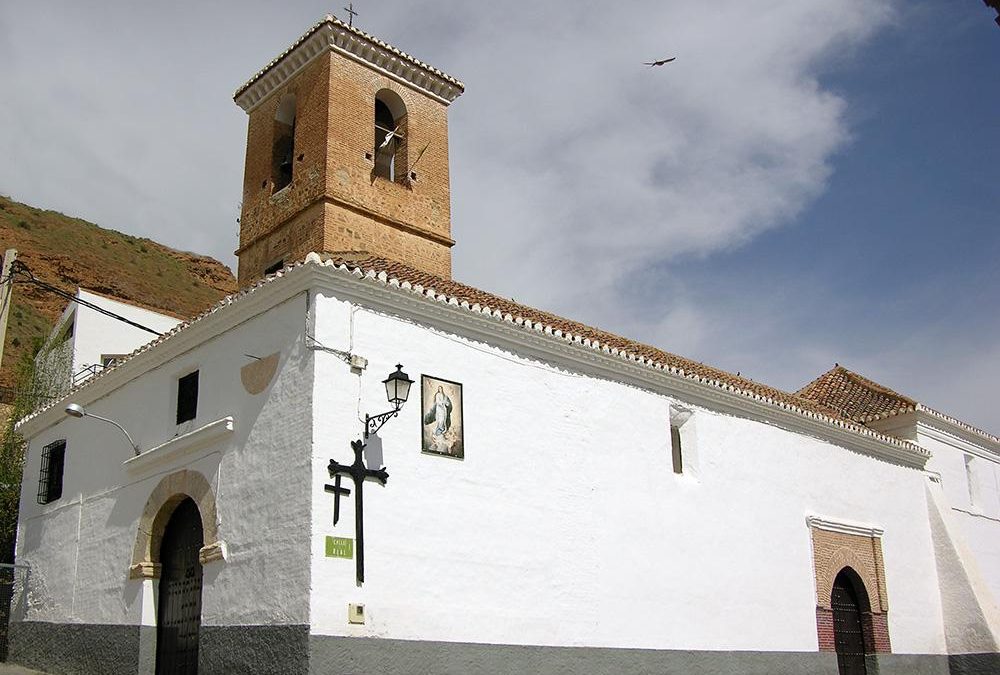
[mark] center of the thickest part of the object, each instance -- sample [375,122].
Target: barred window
[50,477]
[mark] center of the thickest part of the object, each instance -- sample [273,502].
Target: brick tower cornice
[333,35]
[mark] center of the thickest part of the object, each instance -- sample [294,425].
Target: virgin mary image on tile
[441,405]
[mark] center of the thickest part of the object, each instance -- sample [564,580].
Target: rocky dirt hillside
[68,252]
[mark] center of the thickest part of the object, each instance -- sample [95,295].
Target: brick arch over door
[841,558]
[169,492]
[835,551]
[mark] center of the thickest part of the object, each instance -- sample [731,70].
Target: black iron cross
[350,13]
[360,474]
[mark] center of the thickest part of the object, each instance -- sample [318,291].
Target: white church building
[550,498]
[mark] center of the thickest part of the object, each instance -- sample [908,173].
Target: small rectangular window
[187,397]
[50,477]
[971,478]
[276,267]
[675,448]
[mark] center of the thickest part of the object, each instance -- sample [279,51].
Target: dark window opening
[274,268]
[50,478]
[283,150]
[187,397]
[675,448]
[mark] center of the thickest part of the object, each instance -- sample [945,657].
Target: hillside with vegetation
[69,252]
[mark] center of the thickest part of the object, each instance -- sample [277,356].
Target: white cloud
[572,155]
[575,169]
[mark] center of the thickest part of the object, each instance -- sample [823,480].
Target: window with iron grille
[50,477]
[187,397]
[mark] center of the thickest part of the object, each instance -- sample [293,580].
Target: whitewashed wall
[79,547]
[565,525]
[970,478]
[96,334]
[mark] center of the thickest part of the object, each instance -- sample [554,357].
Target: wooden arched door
[848,626]
[178,619]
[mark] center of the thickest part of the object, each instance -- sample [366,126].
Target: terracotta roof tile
[474,299]
[854,397]
[615,342]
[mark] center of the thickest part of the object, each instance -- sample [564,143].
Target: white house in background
[86,338]
[552,498]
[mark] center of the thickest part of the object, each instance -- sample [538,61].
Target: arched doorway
[178,619]
[849,603]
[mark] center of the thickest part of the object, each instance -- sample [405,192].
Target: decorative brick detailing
[832,552]
[334,203]
[168,493]
[824,628]
[880,632]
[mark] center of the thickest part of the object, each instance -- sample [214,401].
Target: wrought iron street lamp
[397,390]
[78,411]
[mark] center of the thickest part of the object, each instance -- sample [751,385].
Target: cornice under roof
[332,34]
[393,275]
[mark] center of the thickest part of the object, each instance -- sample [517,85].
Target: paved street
[11,669]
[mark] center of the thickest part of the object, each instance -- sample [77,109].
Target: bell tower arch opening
[390,136]
[283,146]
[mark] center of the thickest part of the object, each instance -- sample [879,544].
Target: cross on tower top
[350,14]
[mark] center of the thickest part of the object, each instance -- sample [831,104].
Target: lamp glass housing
[397,386]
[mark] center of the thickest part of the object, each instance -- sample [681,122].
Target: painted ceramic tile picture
[441,414]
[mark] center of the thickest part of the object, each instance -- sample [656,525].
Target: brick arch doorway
[852,626]
[178,615]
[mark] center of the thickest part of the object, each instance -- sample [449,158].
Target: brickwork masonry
[832,552]
[334,203]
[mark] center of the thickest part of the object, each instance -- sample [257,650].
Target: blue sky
[894,270]
[812,181]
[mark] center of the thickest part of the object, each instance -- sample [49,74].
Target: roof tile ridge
[957,422]
[863,381]
[822,379]
[623,347]
[183,325]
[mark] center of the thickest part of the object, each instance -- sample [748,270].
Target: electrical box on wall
[355,613]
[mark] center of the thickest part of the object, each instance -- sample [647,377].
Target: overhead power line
[22,270]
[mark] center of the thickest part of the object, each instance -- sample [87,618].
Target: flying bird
[659,63]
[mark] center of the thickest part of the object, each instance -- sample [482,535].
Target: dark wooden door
[847,628]
[179,613]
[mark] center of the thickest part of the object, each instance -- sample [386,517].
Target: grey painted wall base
[254,649]
[975,664]
[72,649]
[75,648]
[88,649]
[355,656]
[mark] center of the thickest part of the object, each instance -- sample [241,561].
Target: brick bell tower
[347,154]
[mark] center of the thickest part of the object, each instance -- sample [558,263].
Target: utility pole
[6,291]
